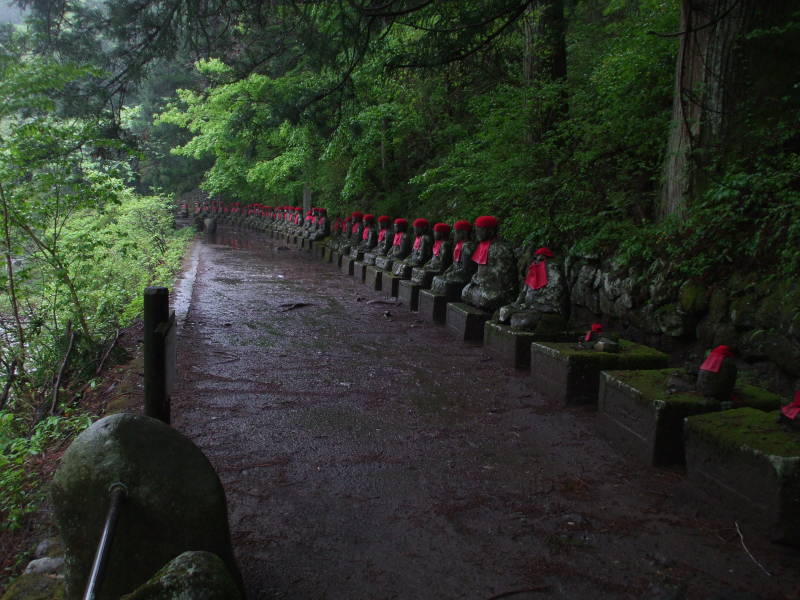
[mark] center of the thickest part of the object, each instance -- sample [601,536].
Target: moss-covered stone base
[466,321]
[751,462]
[568,374]
[408,293]
[347,265]
[374,278]
[513,346]
[35,587]
[432,307]
[391,284]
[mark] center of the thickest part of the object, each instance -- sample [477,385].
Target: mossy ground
[746,428]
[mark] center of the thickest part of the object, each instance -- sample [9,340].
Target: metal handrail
[118,492]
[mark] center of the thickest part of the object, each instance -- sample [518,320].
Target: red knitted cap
[356,214]
[442,228]
[462,226]
[486,222]
[400,221]
[421,222]
[722,351]
[544,251]
[597,327]
[384,219]
[369,218]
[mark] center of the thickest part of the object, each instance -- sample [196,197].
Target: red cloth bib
[417,242]
[382,234]
[457,251]
[596,328]
[714,360]
[481,254]
[354,228]
[398,238]
[365,233]
[537,275]
[437,247]
[790,411]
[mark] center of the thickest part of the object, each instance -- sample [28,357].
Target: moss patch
[746,428]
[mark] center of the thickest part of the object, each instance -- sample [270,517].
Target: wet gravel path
[373,456]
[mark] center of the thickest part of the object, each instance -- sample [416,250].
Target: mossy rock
[693,298]
[192,575]
[35,587]
[631,356]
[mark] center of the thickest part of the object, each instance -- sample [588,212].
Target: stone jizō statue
[368,237]
[717,375]
[401,246]
[543,302]
[421,250]
[441,256]
[494,283]
[462,268]
[383,240]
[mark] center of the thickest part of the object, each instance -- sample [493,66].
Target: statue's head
[463,229]
[441,231]
[400,225]
[542,253]
[384,221]
[369,219]
[486,228]
[357,216]
[421,226]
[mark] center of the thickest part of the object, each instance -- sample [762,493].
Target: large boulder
[175,502]
[190,576]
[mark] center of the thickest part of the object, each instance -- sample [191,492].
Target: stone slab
[391,284]
[513,346]
[327,254]
[336,259]
[346,265]
[751,463]
[360,271]
[568,374]
[409,294]
[432,307]
[466,321]
[374,278]
[318,249]
[640,418]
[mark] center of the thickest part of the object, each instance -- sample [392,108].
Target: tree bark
[715,71]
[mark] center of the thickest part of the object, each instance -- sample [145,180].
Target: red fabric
[357,215]
[442,228]
[462,226]
[369,218]
[421,222]
[544,251]
[400,221]
[437,247]
[457,252]
[486,222]
[714,360]
[791,410]
[398,238]
[384,219]
[382,234]
[417,242]
[354,228]
[537,275]
[596,328]
[365,233]
[481,254]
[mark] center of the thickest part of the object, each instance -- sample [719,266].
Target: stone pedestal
[750,462]
[391,284]
[374,278]
[346,265]
[360,271]
[318,249]
[512,346]
[409,294]
[568,374]
[327,254]
[466,321]
[432,306]
[336,259]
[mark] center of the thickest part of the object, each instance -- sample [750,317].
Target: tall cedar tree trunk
[717,69]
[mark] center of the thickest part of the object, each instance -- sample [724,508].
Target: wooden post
[156,313]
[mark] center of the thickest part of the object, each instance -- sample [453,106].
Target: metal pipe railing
[118,493]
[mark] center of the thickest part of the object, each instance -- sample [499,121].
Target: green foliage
[21,492]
